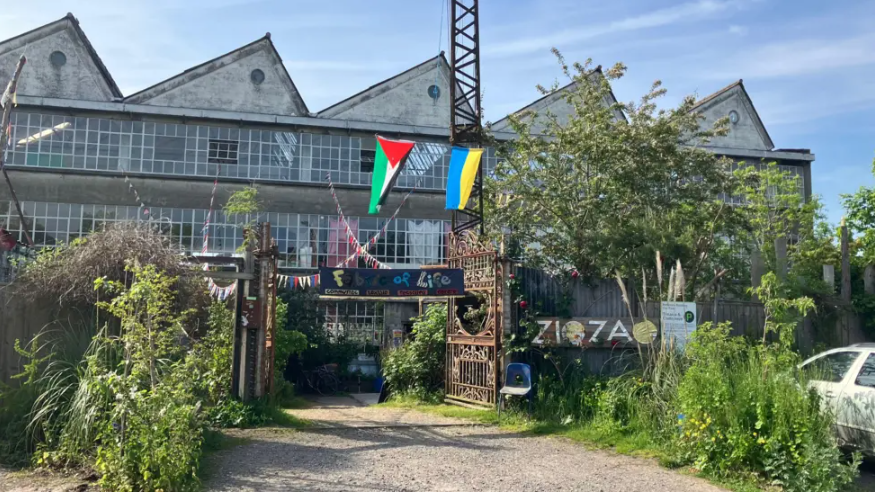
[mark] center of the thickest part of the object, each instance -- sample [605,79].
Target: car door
[856,406]
[827,375]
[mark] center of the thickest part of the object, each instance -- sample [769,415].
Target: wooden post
[869,280]
[829,277]
[781,257]
[846,264]
[714,319]
[6,101]
[757,269]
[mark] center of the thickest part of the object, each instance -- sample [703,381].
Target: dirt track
[377,449]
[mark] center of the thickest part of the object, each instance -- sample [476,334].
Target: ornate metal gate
[473,370]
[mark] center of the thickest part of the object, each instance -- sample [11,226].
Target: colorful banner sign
[365,282]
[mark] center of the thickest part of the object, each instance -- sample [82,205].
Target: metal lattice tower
[466,128]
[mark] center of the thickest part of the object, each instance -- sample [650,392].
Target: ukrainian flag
[463,169]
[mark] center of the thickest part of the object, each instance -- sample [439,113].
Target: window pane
[169,148]
[831,368]
[866,377]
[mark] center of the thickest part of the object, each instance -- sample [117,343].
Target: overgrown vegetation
[66,273]
[601,197]
[132,399]
[606,187]
[417,367]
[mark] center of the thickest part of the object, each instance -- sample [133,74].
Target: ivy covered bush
[417,367]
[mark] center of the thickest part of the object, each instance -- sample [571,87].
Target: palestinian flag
[390,158]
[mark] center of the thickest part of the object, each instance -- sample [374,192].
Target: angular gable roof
[225,83]
[749,132]
[35,46]
[554,102]
[402,98]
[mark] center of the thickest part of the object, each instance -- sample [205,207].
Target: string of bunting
[216,290]
[139,200]
[358,249]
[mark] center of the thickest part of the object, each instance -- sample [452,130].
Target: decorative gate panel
[473,349]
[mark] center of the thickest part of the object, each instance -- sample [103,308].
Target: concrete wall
[556,104]
[396,316]
[402,100]
[746,134]
[78,78]
[81,188]
[226,84]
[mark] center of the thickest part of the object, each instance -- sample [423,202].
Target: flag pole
[7,101]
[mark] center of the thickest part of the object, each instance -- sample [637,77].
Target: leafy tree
[598,192]
[860,213]
[773,208]
[244,203]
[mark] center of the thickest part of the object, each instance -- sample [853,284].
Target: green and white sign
[678,321]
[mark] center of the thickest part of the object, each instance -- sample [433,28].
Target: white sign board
[678,322]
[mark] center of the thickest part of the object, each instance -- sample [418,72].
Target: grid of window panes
[304,241]
[148,147]
[793,172]
[357,321]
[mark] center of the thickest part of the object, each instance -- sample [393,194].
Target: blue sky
[808,65]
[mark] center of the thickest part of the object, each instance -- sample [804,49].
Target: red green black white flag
[391,155]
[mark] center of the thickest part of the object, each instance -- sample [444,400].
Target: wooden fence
[22,319]
[548,297]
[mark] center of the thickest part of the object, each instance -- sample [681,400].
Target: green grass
[484,416]
[281,418]
[295,403]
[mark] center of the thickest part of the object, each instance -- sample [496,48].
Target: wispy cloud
[803,112]
[800,57]
[663,17]
[738,30]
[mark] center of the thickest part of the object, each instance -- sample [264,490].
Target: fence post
[869,280]
[757,269]
[714,319]
[829,277]
[846,264]
[781,256]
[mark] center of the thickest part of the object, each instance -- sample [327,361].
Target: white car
[845,378]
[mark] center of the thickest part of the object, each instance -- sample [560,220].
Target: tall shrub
[417,367]
[745,412]
[151,438]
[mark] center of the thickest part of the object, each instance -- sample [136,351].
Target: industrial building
[83,154]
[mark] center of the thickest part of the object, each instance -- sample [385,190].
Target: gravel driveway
[411,454]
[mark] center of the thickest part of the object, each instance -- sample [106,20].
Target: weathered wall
[401,100]
[396,316]
[78,78]
[745,134]
[226,84]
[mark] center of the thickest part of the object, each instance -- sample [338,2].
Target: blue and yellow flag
[463,169]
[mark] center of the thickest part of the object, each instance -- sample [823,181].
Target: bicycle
[324,379]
